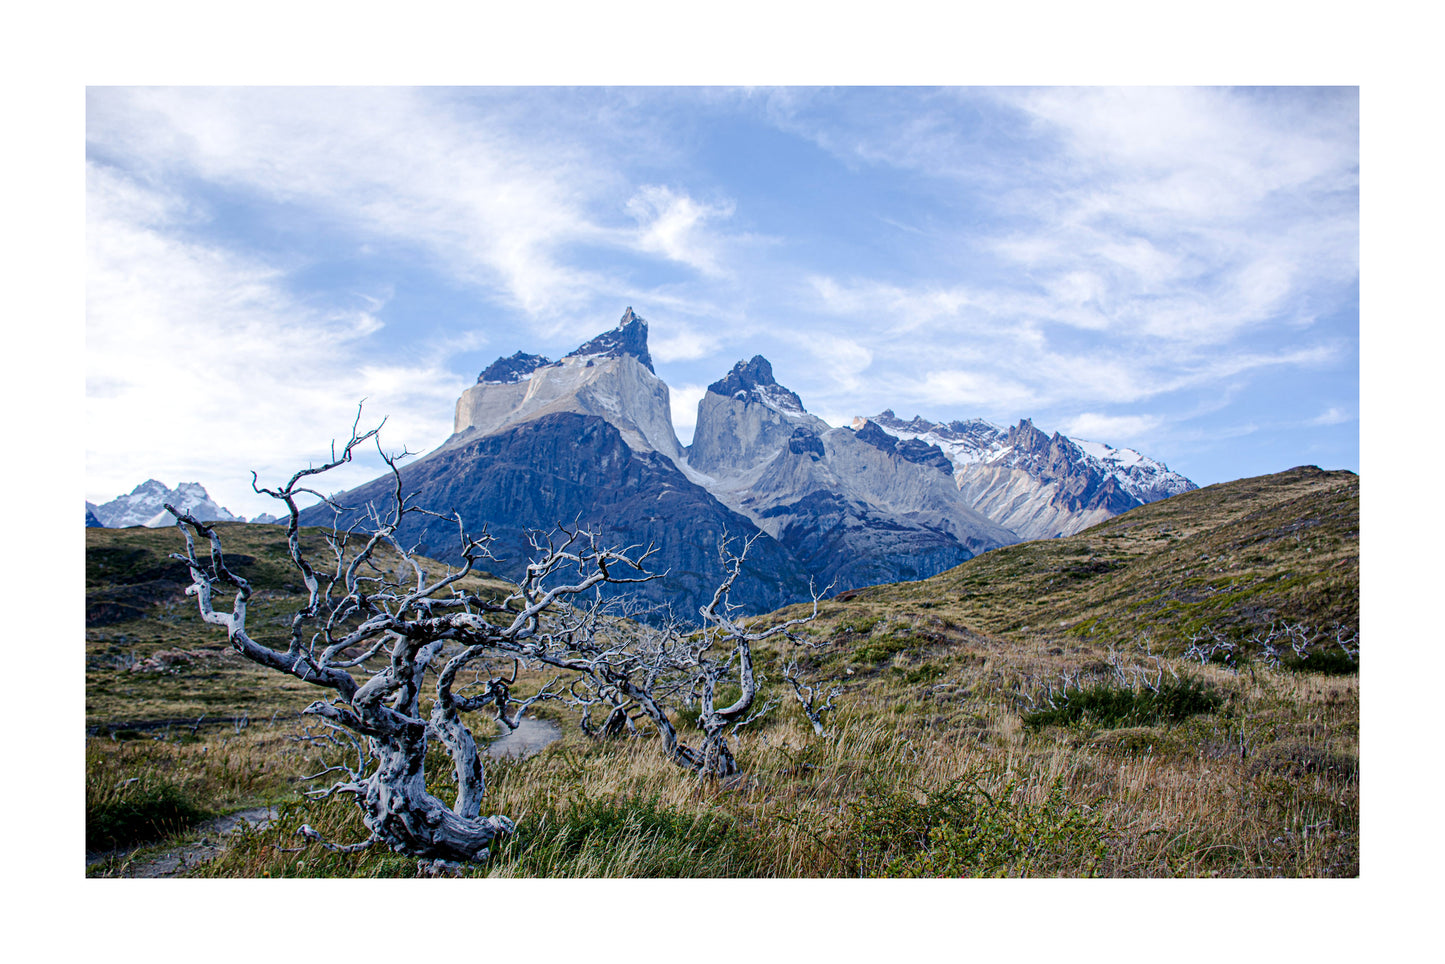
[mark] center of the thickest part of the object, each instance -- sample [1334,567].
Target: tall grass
[914,779]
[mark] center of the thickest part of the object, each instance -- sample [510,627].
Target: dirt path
[526,740]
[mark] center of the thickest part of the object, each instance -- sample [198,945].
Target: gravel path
[526,740]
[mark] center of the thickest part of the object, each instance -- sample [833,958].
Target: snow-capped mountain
[145,506]
[589,438]
[1033,483]
[853,508]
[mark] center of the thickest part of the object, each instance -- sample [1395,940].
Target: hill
[1234,557]
[152,662]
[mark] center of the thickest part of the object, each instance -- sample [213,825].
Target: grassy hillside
[1030,712]
[150,660]
[1234,556]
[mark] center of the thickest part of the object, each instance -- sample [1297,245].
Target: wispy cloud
[680,342]
[672,225]
[1116,428]
[1331,416]
[974,389]
[225,369]
[395,164]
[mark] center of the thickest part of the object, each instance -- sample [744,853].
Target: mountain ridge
[588,438]
[145,506]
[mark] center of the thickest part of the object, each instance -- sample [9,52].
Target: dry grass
[1268,787]
[931,765]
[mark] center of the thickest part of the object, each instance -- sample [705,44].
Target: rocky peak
[910,450]
[505,371]
[1024,437]
[628,338]
[753,380]
[145,505]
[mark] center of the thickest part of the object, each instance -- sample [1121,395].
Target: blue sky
[1172,269]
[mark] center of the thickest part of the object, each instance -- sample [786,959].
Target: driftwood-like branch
[421,630]
[808,696]
[381,628]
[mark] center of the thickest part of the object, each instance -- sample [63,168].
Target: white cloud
[1331,416]
[671,224]
[904,308]
[843,359]
[1198,216]
[1204,212]
[396,164]
[680,342]
[683,400]
[1094,426]
[201,367]
[975,388]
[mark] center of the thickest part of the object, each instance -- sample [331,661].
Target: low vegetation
[1034,712]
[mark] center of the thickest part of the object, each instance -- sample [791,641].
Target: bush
[136,811]
[1330,662]
[1111,706]
[962,830]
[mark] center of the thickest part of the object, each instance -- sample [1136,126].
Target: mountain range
[588,438]
[145,506]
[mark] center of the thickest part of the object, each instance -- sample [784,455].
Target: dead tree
[411,624]
[378,634]
[808,696]
[637,671]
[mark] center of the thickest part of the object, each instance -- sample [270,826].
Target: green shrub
[962,830]
[884,648]
[1110,706]
[1330,662]
[135,811]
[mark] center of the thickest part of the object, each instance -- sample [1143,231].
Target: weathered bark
[677,664]
[362,609]
[358,610]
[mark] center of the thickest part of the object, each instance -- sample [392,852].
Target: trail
[528,739]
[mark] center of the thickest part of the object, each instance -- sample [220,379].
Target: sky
[1173,269]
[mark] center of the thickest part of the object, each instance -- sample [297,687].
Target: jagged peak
[515,368]
[918,425]
[910,450]
[1026,436]
[753,379]
[628,338]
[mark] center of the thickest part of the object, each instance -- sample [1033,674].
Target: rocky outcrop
[505,371]
[909,449]
[744,420]
[853,508]
[565,467]
[628,338]
[610,377]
